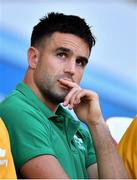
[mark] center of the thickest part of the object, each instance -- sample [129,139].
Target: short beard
[53,97]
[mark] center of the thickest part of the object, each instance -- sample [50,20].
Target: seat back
[118,126]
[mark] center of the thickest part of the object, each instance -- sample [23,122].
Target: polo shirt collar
[25,90]
[71,124]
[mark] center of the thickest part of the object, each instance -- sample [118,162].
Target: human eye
[81,62]
[62,55]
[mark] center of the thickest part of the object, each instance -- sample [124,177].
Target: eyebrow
[63,49]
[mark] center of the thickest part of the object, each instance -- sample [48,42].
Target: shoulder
[12,103]
[15,110]
[131,132]
[127,148]
[129,136]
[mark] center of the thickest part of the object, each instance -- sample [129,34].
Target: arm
[43,167]
[86,105]
[92,171]
[109,163]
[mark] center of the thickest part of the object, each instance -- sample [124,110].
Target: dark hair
[58,22]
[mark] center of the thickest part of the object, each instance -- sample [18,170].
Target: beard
[50,89]
[54,97]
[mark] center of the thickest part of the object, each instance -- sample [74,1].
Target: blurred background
[112,70]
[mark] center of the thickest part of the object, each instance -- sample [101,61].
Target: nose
[70,67]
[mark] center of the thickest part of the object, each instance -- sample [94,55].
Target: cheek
[79,76]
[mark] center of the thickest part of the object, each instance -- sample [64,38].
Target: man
[128,149]
[47,142]
[7,169]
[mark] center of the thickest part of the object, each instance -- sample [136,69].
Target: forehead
[69,41]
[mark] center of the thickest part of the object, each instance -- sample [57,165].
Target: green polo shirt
[35,130]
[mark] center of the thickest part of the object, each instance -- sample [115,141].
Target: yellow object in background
[7,169]
[128,149]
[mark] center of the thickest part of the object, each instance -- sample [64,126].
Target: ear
[33,56]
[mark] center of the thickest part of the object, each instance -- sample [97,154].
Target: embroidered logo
[79,142]
[2,155]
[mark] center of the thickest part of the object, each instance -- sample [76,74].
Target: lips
[63,86]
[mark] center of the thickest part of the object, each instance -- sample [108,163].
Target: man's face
[64,56]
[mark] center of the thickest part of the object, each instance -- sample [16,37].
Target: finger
[74,100]
[68,83]
[87,95]
[69,96]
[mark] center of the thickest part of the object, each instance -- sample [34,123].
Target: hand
[85,103]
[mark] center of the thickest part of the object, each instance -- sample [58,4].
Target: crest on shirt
[79,142]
